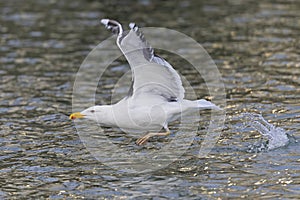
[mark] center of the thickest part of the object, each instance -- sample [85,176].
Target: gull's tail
[203,104]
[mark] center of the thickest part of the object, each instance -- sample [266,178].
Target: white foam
[277,137]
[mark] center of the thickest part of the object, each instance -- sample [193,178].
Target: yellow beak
[76,115]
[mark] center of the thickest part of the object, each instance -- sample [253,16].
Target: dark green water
[255,45]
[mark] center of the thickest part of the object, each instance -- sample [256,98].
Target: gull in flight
[156,95]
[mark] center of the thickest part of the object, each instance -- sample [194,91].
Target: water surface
[255,46]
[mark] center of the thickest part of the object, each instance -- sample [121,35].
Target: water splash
[276,136]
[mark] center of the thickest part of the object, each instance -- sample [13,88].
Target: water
[276,136]
[255,46]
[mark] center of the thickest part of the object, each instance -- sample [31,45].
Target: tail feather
[204,104]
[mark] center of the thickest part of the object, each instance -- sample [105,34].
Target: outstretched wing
[152,75]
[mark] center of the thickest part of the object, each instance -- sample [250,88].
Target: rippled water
[255,46]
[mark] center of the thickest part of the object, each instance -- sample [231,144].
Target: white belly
[140,118]
[150,116]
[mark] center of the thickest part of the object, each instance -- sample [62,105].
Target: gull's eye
[92,111]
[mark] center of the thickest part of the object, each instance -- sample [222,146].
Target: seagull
[156,95]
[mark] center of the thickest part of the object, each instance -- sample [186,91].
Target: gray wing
[152,75]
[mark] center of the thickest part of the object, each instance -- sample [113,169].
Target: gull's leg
[144,139]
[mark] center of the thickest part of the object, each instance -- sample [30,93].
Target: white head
[94,113]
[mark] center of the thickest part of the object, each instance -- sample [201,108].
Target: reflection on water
[43,43]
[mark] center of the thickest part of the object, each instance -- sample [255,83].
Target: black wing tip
[133,26]
[148,50]
[137,31]
[113,25]
[104,21]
